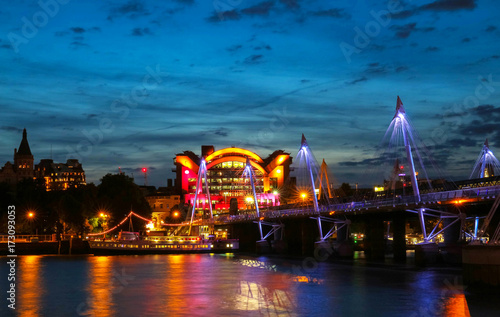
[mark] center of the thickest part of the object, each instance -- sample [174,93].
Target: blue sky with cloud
[132,83]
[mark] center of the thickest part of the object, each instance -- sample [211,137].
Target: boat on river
[132,243]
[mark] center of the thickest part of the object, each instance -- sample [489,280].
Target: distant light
[31,215]
[249,199]
[186,172]
[144,170]
[303,195]
[379,189]
[275,192]
[278,171]
[176,214]
[401,167]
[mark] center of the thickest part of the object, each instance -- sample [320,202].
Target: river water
[232,285]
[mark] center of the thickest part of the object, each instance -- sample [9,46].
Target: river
[233,285]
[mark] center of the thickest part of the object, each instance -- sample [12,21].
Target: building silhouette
[23,164]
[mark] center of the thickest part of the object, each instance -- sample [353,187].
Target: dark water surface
[227,285]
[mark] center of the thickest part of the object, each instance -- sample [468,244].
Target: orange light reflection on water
[100,288]
[30,286]
[456,306]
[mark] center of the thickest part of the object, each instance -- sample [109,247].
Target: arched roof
[238,159]
[233,150]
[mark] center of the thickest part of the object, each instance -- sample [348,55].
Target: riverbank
[72,246]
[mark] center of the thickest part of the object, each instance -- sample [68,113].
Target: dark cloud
[266,47]
[466,40]
[450,5]
[403,14]
[292,4]
[253,59]
[404,31]
[432,49]
[333,13]
[78,30]
[141,31]
[262,8]
[188,2]
[233,48]
[11,129]
[220,16]
[400,69]
[131,9]
[491,28]
[375,68]
[357,80]
[78,44]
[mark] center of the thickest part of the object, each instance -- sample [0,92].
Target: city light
[144,170]
[176,214]
[249,199]
[31,214]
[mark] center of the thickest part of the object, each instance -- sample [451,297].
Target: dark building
[23,164]
[60,176]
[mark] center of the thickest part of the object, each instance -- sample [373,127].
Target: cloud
[132,9]
[432,49]
[141,31]
[333,13]
[219,16]
[404,31]
[233,48]
[262,8]
[357,80]
[78,30]
[253,59]
[491,28]
[187,2]
[291,4]
[11,129]
[450,5]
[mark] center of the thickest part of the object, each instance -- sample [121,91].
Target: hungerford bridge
[444,212]
[321,225]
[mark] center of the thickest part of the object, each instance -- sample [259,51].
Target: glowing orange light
[176,214]
[31,215]
[261,218]
[303,195]
[332,212]
[234,150]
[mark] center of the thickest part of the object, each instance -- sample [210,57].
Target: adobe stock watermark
[454,117]
[363,38]
[31,25]
[89,306]
[278,122]
[121,107]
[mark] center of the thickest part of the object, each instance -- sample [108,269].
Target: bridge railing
[468,193]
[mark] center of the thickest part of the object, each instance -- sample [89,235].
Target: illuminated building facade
[23,164]
[60,176]
[162,205]
[225,179]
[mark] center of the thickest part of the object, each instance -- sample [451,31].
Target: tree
[346,189]
[121,195]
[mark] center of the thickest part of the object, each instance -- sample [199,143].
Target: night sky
[130,84]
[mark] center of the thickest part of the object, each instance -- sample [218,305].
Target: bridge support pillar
[374,240]
[343,246]
[399,237]
[451,250]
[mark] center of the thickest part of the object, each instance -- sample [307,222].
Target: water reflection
[30,289]
[218,285]
[100,289]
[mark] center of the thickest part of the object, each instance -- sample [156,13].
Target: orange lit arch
[231,150]
[238,159]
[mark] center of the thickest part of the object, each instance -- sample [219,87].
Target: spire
[303,142]
[399,108]
[24,147]
[486,143]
